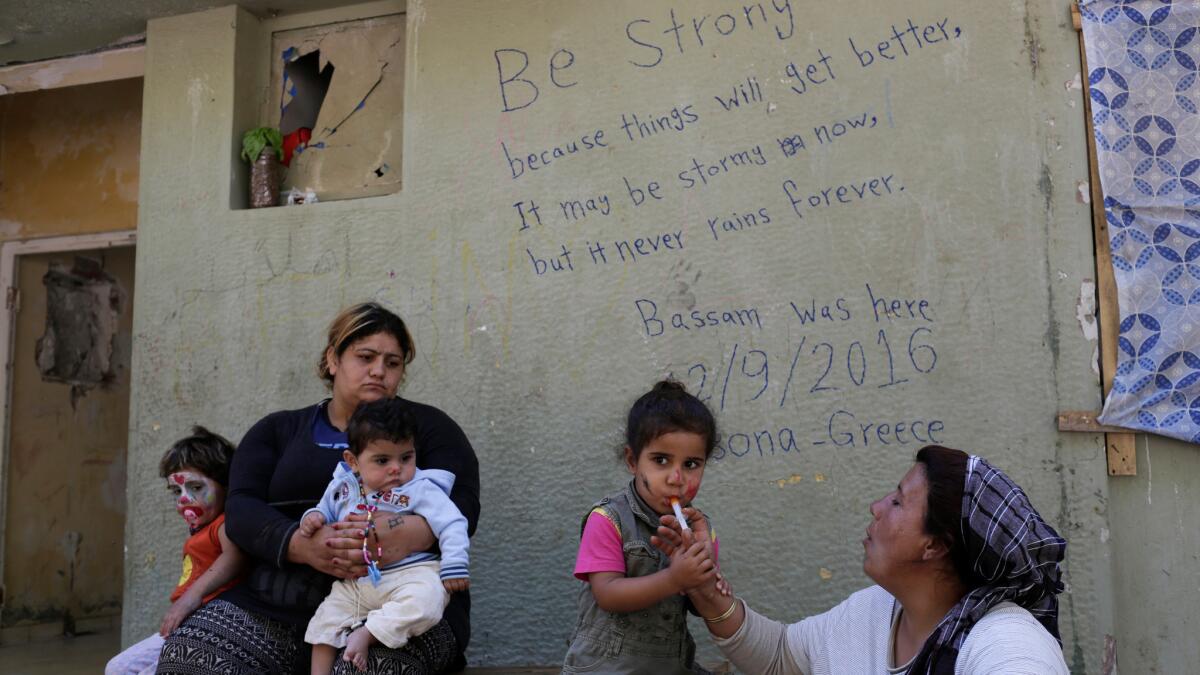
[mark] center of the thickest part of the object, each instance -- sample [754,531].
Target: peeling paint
[825,574]
[1083,192]
[790,480]
[416,16]
[1085,310]
[1109,663]
[1075,83]
[9,229]
[1149,473]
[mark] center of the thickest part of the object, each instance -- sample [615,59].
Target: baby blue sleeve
[327,507]
[450,527]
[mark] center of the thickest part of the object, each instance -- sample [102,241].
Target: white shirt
[856,637]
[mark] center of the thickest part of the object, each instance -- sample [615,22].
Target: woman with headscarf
[966,572]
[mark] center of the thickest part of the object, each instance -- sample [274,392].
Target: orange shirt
[200,551]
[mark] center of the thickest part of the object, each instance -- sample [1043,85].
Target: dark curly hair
[387,419]
[204,451]
[665,408]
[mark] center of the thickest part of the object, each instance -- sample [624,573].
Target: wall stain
[1078,662]
[1033,46]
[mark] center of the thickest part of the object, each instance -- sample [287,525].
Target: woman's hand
[670,538]
[711,599]
[334,549]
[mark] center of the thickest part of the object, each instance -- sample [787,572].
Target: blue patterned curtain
[1144,58]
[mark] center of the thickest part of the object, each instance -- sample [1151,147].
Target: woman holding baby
[282,468]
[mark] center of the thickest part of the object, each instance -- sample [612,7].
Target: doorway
[66,337]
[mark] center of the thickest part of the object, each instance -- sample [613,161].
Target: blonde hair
[357,322]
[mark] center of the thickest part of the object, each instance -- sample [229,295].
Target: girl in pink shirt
[632,618]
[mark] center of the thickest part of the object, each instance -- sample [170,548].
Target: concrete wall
[1156,558]
[982,130]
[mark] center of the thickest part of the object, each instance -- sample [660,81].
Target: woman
[967,574]
[280,469]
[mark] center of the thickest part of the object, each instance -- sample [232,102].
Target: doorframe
[9,252]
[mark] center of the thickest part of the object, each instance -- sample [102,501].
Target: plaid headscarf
[1012,550]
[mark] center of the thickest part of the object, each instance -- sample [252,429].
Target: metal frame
[9,252]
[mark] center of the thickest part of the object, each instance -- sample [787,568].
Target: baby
[396,600]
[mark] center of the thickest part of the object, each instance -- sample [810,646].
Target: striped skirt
[221,638]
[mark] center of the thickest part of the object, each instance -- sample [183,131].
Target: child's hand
[180,609]
[456,585]
[691,564]
[311,523]
[670,535]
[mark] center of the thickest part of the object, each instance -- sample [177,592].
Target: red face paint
[198,498]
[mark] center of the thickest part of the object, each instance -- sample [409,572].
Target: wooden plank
[115,64]
[1085,421]
[1120,446]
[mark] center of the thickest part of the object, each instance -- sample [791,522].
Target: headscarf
[1012,550]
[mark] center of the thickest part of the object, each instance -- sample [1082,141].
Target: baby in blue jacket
[397,600]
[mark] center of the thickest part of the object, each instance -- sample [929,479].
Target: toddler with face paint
[632,614]
[197,473]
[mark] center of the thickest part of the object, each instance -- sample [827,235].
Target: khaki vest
[653,641]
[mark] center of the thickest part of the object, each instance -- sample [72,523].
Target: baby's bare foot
[357,645]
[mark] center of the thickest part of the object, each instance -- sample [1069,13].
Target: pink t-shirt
[600,547]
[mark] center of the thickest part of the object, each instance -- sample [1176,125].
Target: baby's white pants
[407,602]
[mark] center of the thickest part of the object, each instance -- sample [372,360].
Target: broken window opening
[342,125]
[305,84]
[83,307]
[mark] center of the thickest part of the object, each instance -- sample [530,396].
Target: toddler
[632,611]
[197,473]
[401,599]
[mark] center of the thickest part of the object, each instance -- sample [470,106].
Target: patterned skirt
[221,638]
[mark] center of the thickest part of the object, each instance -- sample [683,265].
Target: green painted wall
[977,142]
[1156,558]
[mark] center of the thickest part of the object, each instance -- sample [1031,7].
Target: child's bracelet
[724,615]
